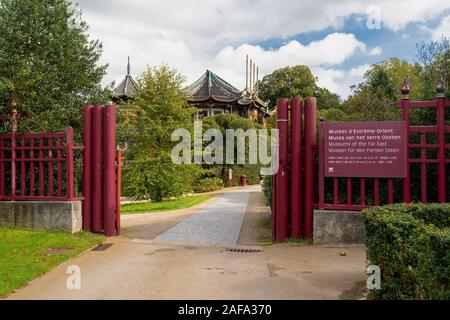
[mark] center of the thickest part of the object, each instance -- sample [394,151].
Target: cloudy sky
[337,39]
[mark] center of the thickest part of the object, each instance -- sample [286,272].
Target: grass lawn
[164,205]
[27,254]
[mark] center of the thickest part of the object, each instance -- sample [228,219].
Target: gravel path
[219,223]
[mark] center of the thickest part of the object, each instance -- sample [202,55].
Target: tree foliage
[296,81]
[48,63]
[160,108]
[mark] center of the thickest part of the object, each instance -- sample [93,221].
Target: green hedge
[208,184]
[267,189]
[411,245]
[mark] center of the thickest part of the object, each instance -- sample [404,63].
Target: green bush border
[411,245]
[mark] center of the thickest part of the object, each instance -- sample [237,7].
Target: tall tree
[434,57]
[159,109]
[48,64]
[296,81]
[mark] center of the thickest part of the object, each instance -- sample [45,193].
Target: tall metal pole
[246,72]
[282,195]
[250,76]
[296,168]
[254,77]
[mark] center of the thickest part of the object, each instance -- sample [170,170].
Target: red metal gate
[295,195]
[37,166]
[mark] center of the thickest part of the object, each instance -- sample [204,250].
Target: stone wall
[42,215]
[338,227]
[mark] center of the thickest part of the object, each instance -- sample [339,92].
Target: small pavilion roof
[212,87]
[128,88]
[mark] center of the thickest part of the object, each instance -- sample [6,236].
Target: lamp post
[14,104]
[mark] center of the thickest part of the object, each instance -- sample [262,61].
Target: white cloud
[192,35]
[334,49]
[443,29]
[375,51]
[338,80]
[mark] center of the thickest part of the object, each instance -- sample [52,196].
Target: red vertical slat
[41,167]
[110,200]
[118,186]
[335,191]
[59,175]
[321,164]
[69,163]
[296,168]
[423,169]
[310,160]
[362,188]
[23,173]
[390,191]
[13,154]
[283,180]
[50,168]
[2,167]
[32,173]
[407,180]
[349,191]
[440,114]
[87,167]
[376,192]
[97,172]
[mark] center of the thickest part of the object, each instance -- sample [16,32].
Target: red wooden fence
[439,129]
[37,166]
[294,192]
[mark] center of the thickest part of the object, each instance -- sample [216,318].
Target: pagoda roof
[212,87]
[128,88]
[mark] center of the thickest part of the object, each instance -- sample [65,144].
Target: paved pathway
[217,224]
[148,269]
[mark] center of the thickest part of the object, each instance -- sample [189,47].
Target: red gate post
[407,180]
[282,195]
[87,168]
[309,175]
[109,186]
[97,163]
[296,168]
[440,114]
[69,164]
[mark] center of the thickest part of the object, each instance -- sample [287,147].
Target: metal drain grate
[242,250]
[102,247]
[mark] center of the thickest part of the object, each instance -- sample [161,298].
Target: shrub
[411,245]
[208,184]
[267,189]
[157,179]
